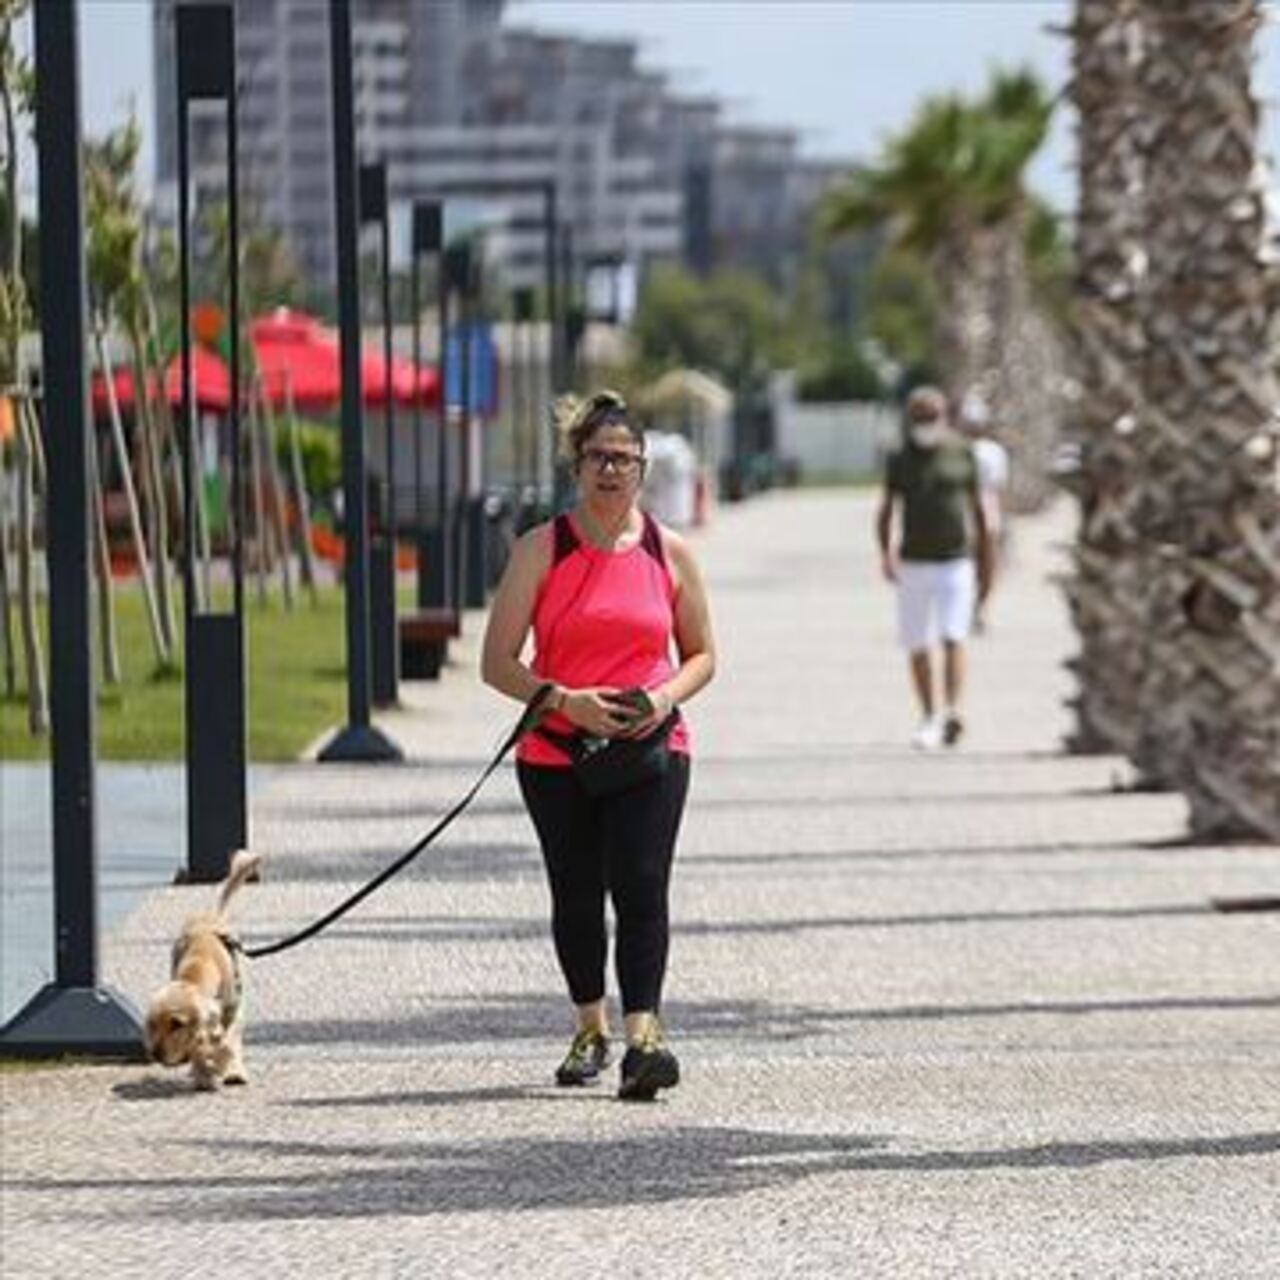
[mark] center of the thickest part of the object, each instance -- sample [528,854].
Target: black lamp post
[476,574]
[566,330]
[458,284]
[547,189]
[523,411]
[427,238]
[358,740]
[73,1014]
[214,675]
[374,209]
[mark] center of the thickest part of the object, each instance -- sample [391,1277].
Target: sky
[844,73]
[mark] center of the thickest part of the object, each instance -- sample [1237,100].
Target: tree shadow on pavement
[524,1017]
[442,861]
[890,853]
[416,930]
[810,924]
[517,1017]
[530,1174]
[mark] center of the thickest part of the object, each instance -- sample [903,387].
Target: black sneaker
[588,1055]
[952,729]
[646,1068]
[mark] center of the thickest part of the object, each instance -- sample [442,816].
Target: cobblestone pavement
[964,1014]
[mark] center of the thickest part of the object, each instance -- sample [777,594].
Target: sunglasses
[620,460]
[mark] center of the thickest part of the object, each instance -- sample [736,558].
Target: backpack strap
[651,540]
[565,540]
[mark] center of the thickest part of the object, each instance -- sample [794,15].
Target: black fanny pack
[606,766]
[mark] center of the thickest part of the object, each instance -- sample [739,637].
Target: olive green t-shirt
[937,487]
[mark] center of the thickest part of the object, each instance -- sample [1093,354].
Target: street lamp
[523,411]
[374,209]
[474,570]
[427,238]
[359,739]
[73,1014]
[566,332]
[214,670]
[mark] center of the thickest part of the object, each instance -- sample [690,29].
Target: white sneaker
[928,737]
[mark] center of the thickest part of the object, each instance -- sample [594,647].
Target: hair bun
[571,414]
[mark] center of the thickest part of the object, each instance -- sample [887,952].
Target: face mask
[928,435]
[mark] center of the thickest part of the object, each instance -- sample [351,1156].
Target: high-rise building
[459,104]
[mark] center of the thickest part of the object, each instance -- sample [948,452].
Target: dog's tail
[244,866]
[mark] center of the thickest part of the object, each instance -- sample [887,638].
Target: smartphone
[637,699]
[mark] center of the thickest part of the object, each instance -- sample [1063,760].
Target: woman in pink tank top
[613,602]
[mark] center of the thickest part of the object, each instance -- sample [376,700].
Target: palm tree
[112,250]
[108,643]
[1106,590]
[950,190]
[1210,503]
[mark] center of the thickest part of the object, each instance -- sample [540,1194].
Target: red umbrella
[296,352]
[211,377]
[298,356]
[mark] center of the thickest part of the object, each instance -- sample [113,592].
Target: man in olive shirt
[933,479]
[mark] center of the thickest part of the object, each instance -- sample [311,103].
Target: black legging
[622,844]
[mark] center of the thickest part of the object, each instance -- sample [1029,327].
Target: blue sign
[484,369]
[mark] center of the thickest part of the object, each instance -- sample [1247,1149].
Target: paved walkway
[955,1015]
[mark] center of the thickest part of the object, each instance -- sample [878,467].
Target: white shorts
[935,597]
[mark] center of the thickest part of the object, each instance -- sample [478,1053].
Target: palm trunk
[963,265]
[279,520]
[1106,590]
[151,460]
[306,558]
[171,449]
[1211,704]
[1026,360]
[158,642]
[27,431]
[259,514]
[108,648]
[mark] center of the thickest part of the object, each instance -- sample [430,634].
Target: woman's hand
[594,712]
[640,724]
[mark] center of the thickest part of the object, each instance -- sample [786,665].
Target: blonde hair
[578,418]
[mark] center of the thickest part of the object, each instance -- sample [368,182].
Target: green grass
[297,684]
[24,1065]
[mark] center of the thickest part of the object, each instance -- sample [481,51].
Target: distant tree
[951,189]
[730,325]
[902,308]
[839,369]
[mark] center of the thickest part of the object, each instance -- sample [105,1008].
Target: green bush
[321,456]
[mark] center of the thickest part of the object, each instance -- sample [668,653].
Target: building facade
[461,105]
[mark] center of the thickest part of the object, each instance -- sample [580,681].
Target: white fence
[832,440]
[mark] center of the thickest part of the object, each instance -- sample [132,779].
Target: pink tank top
[602,618]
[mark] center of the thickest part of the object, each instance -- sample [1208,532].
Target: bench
[424,641]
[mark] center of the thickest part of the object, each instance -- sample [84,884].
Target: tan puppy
[198,1016]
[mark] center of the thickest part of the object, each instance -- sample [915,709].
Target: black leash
[526,722]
